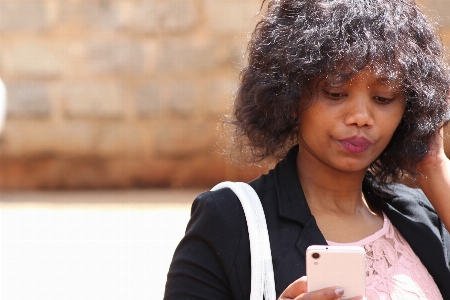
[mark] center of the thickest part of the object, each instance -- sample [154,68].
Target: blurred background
[119,93]
[113,125]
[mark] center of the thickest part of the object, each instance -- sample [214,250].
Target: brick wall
[123,93]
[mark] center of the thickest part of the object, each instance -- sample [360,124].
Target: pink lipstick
[355,144]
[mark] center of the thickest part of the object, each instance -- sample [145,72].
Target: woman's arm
[434,179]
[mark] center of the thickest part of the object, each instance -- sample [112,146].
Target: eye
[383,100]
[334,95]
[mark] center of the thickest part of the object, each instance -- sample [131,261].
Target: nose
[358,112]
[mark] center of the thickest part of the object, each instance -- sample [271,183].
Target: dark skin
[297,291]
[366,107]
[340,135]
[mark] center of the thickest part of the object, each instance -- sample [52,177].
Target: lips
[355,144]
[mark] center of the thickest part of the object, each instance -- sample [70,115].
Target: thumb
[296,288]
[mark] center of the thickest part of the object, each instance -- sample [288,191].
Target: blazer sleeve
[203,263]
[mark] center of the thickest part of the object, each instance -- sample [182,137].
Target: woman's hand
[435,157]
[434,178]
[298,291]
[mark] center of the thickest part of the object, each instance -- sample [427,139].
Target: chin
[355,167]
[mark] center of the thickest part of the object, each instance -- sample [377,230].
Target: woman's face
[348,126]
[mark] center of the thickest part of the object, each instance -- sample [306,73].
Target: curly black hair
[300,41]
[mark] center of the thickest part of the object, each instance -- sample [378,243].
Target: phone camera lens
[315,255]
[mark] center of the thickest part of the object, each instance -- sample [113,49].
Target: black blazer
[212,261]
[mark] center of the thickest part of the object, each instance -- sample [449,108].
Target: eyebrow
[388,80]
[394,83]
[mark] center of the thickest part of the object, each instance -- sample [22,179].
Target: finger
[296,288]
[330,293]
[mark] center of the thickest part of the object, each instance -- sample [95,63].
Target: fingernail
[339,291]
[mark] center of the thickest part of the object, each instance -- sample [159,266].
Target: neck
[328,190]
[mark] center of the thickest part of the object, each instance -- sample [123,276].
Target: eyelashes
[336,96]
[383,100]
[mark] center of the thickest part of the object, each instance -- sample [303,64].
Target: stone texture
[40,172]
[178,16]
[235,54]
[144,172]
[25,138]
[186,56]
[445,36]
[115,57]
[150,49]
[148,100]
[28,99]
[124,140]
[143,17]
[98,14]
[220,96]
[23,16]
[204,171]
[33,58]
[93,100]
[184,97]
[231,16]
[248,173]
[150,17]
[183,139]
[97,172]
[122,94]
[211,168]
[75,138]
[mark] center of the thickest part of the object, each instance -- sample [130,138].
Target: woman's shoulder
[397,200]
[224,206]
[412,203]
[217,207]
[402,197]
[410,197]
[204,262]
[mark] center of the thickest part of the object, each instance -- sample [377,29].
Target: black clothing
[212,261]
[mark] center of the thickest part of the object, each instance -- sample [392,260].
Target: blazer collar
[292,203]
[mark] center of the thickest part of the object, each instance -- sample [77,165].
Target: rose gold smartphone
[343,266]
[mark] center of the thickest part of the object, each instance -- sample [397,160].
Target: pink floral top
[393,270]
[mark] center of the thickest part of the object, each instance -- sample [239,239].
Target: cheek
[391,121]
[311,125]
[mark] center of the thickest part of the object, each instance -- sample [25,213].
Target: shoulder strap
[262,281]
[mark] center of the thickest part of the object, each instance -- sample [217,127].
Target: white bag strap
[262,281]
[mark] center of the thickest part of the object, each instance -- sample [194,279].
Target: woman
[358,91]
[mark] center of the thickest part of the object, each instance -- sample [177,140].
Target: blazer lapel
[292,203]
[298,227]
[310,235]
